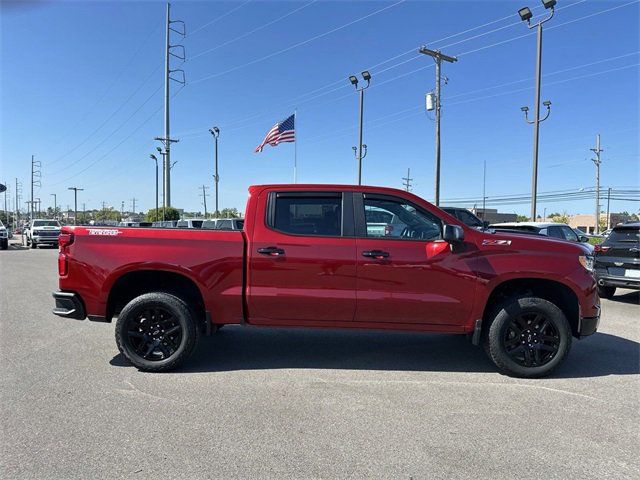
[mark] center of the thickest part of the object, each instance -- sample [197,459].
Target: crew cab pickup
[307,257]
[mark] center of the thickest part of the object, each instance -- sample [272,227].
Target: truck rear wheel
[156,332]
[528,337]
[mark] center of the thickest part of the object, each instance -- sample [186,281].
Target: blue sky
[81,89]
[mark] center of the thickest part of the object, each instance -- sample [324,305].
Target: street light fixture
[215,131]
[526,16]
[359,154]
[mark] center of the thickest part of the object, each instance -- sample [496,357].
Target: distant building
[586,223]
[492,215]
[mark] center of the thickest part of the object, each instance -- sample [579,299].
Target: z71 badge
[496,242]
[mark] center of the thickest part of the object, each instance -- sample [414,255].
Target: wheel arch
[555,292]
[132,284]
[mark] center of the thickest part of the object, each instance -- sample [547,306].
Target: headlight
[587,262]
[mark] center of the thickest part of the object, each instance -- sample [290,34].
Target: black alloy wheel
[531,340]
[154,333]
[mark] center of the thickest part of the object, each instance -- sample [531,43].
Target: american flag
[283,131]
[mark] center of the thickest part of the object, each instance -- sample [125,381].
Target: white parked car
[42,232]
[550,229]
[4,237]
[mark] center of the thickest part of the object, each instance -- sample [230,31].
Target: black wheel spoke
[154,334]
[531,339]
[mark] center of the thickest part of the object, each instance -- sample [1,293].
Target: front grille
[47,233]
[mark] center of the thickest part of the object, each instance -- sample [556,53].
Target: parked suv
[617,260]
[42,232]
[466,217]
[4,237]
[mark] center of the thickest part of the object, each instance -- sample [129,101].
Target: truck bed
[99,256]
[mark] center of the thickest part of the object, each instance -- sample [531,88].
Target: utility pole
[608,203]
[75,202]
[84,213]
[359,151]
[215,131]
[36,174]
[204,199]
[407,180]
[169,51]
[526,16]
[155,159]
[55,206]
[18,191]
[133,204]
[438,56]
[484,189]
[597,150]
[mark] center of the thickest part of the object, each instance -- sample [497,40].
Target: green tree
[229,213]
[560,218]
[154,215]
[522,218]
[107,214]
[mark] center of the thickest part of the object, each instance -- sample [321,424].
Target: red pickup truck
[332,256]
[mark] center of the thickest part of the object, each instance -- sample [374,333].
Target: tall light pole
[55,205]
[438,56]
[154,158]
[597,150]
[75,202]
[215,131]
[164,183]
[526,16]
[359,154]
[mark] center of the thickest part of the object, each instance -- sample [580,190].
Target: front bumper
[69,305]
[43,240]
[588,326]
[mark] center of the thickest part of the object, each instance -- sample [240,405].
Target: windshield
[45,223]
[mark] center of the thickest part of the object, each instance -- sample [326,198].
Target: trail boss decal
[96,231]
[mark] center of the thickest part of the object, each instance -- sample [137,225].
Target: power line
[296,45]
[251,32]
[217,19]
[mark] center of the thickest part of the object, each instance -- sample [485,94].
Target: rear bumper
[615,281]
[69,305]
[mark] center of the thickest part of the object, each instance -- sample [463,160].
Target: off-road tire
[502,322]
[606,291]
[33,244]
[175,307]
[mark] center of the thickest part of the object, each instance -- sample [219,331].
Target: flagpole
[295,146]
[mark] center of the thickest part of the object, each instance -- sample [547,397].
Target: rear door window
[308,214]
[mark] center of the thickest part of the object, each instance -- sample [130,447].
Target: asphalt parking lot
[297,403]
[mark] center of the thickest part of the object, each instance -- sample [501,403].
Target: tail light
[64,240]
[599,248]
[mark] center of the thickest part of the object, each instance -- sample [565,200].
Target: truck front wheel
[528,337]
[156,332]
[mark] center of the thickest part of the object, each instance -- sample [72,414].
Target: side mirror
[583,239]
[485,224]
[452,234]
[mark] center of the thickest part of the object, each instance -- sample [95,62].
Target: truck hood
[532,242]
